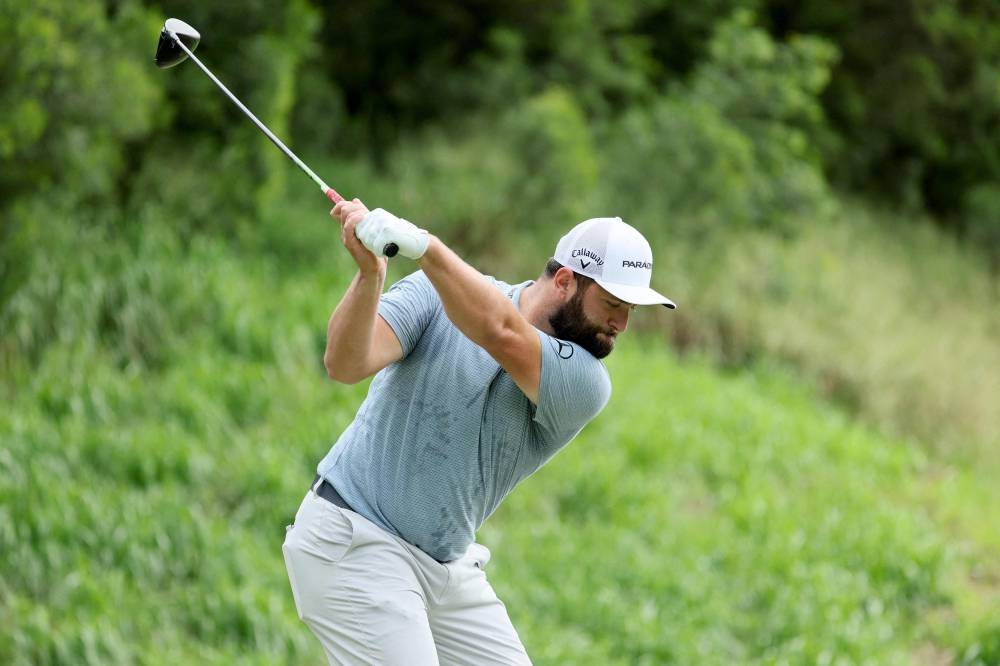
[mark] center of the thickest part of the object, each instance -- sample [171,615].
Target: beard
[571,324]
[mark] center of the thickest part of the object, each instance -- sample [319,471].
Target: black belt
[329,493]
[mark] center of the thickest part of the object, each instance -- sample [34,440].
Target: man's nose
[619,320]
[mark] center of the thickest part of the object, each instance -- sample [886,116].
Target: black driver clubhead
[168,53]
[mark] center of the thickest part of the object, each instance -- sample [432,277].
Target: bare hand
[349,214]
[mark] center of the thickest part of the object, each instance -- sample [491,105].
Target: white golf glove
[380,228]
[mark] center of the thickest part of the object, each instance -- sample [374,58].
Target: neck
[535,307]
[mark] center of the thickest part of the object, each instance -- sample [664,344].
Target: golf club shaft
[330,193]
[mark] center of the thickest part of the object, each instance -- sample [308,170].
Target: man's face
[592,318]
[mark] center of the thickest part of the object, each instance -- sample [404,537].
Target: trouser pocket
[315,543]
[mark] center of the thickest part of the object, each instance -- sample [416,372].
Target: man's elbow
[500,335]
[341,373]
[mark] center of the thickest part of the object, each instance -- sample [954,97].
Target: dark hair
[552,266]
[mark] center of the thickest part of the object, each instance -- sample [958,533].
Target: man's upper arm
[405,311]
[574,387]
[386,347]
[519,352]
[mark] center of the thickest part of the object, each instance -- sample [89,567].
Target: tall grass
[700,518]
[165,407]
[708,521]
[897,322]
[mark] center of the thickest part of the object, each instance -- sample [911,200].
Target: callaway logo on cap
[615,255]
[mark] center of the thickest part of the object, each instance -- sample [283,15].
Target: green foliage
[162,301]
[257,52]
[598,55]
[769,89]
[719,523]
[984,648]
[681,168]
[679,33]
[88,287]
[502,74]
[901,327]
[73,102]
[73,96]
[166,405]
[915,100]
[552,143]
[397,66]
[734,147]
[163,546]
[981,214]
[537,159]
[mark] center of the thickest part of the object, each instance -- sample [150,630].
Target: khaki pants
[372,598]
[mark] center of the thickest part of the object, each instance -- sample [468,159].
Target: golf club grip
[390,249]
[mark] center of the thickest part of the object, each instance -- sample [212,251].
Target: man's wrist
[428,253]
[375,276]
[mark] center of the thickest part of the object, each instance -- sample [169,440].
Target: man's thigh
[357,594]
[471,624]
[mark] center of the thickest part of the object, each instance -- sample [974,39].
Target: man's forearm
[351,329]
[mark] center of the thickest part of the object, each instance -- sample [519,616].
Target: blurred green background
[798,466]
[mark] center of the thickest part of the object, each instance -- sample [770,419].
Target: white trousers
[372,598]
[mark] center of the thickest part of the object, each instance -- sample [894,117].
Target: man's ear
[565,282]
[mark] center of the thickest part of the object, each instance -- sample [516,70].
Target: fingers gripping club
[389,249]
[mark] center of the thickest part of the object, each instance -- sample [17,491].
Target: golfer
[477,383]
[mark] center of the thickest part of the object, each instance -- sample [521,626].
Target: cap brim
[636,295]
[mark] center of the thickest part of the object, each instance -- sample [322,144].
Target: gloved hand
[379,228]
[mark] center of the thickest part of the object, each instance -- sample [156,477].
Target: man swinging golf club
[477,384]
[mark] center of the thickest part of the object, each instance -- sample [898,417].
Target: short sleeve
[408,308]
[573,389]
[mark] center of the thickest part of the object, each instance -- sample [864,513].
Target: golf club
[177,41]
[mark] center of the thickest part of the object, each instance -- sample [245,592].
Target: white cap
[615,255]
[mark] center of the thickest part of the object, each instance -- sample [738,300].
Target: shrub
[736,146]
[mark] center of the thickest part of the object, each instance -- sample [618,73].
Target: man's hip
[370,597]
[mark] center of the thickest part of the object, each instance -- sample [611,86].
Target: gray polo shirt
[445,434]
